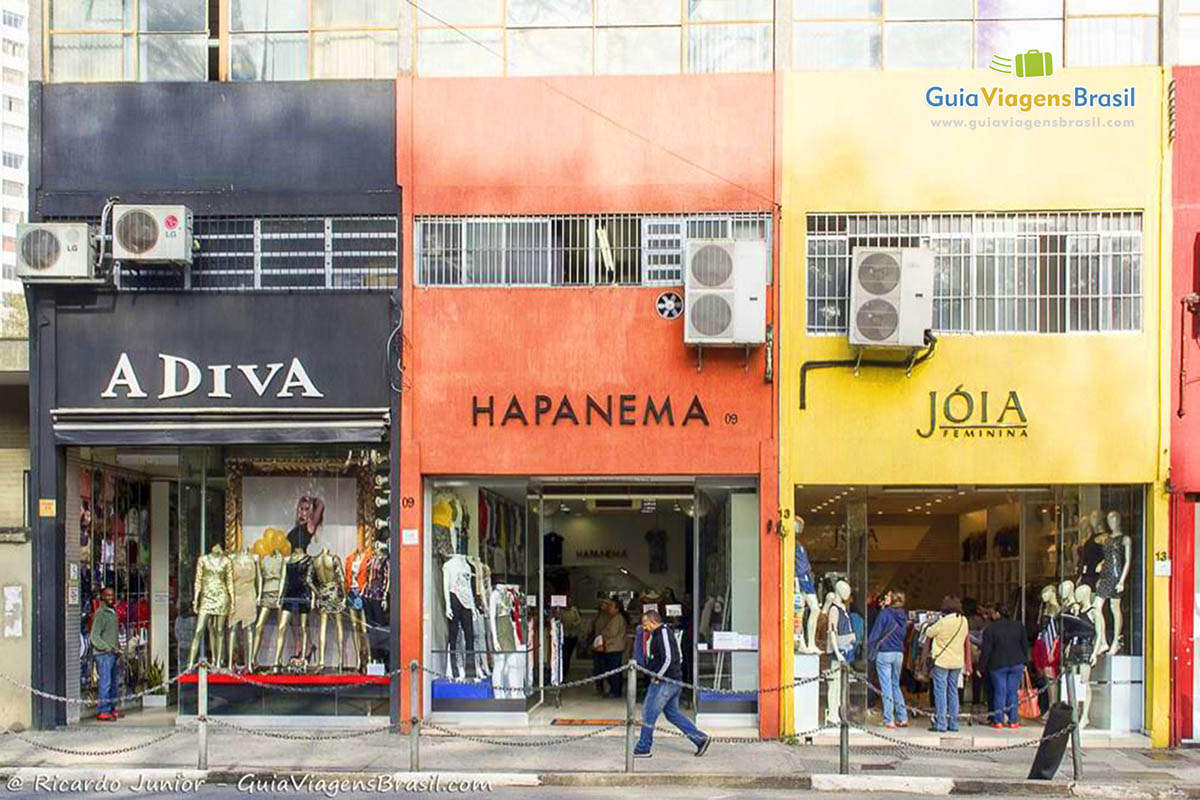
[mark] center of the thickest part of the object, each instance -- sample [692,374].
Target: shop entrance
[549,579]
[1023,550]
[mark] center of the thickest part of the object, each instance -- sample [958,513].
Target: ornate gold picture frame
[238,468]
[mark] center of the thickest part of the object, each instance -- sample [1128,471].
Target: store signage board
[646,607]
[203,350]
[674,610]
[963,413]
[558,601]
[587,410]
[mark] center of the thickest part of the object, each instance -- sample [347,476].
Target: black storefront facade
[247,402]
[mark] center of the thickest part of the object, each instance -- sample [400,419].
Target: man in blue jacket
[662,697]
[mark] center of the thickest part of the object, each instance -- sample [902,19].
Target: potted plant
[155,675]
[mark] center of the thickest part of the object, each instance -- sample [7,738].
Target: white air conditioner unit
[891,296]
[725,302]
[152,233]
[56,252]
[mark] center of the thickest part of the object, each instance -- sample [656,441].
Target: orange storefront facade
[560,442]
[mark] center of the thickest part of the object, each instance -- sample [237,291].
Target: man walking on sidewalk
[105,646]
[662,696]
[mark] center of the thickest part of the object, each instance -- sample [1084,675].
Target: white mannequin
[1083,600]
[808,642]
[1050,605]
[835,605]
[1066,595]
[1119,540]
[456,593]
[509,675]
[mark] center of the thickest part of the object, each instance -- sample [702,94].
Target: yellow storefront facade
[1032,441]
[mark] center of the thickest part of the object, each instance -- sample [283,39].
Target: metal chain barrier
[931,713]
[174,731]
[905,744]
[80,701]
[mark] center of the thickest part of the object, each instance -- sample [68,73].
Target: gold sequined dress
[214,577]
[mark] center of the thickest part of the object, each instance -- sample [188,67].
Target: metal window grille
[235,254]
[570,250]
[1024,272]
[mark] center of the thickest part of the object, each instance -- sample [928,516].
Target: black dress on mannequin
[1091,556]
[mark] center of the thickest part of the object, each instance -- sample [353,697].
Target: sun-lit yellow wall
[865,142]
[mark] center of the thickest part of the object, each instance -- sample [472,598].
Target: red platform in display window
[290,680]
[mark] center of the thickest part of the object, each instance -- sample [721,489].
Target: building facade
[14,134]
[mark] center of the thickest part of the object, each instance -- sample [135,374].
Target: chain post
[1076,755]
[844,737]
[414,719]
[630,709]
[202,713]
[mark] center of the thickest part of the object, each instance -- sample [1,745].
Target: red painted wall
[578,145]
[1185,390]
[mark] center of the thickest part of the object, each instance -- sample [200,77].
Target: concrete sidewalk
[595,760]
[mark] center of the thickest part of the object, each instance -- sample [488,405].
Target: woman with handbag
[886,647]
[948,645]
[1005,653]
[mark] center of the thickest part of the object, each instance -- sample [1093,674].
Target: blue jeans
[663,698]
[106,666]
[945,698]
[887,666]
[1006,681]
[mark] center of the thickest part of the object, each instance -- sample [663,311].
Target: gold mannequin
[297,600]
[356,578]
[212,599]
[329,597]
[270,570]
[247,588]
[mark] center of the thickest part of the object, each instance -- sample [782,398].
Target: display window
[270,564]
[533,587]
[883,573]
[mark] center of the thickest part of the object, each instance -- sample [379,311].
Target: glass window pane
[1111,41]
[835,9]
[268,15]
[549,13]
[645,51]
[355,54]
[566,51]
[458,12]
[90,57]
[446,52]
[729,48]
[1189,40]
[353,13]
[173,16]
[1011,37]
[928,45]
[164,57]
[1010,9]
[268,57]
[733,10]
[68,15]
[929,9]
[836,45]
[1112,6]
[637,12]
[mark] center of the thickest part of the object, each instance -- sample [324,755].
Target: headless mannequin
[805,585]
[508,677]
[835,605]
[270,576]
[295,562]
[460,613]
[355,578]
[1084,601]
[212,598]
[247,589]
[1117,542]
[329,592]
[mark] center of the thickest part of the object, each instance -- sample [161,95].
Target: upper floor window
[930,34]
[13,160]
[13,20]
[13,105]
[14,77]
[1035,272]
[584,250]
[11,48]
[12,215]
[13,188]
[104,41]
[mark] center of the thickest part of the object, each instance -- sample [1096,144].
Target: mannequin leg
[247,641]
[216,638]
[303,636]
[1085,672]
[322,627]
[1101,633]
[201,627]
[358,624]
[231,642]
[285,617]
[259,625]
[810,634]
[1118,618]
[340,630]
[833,693]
